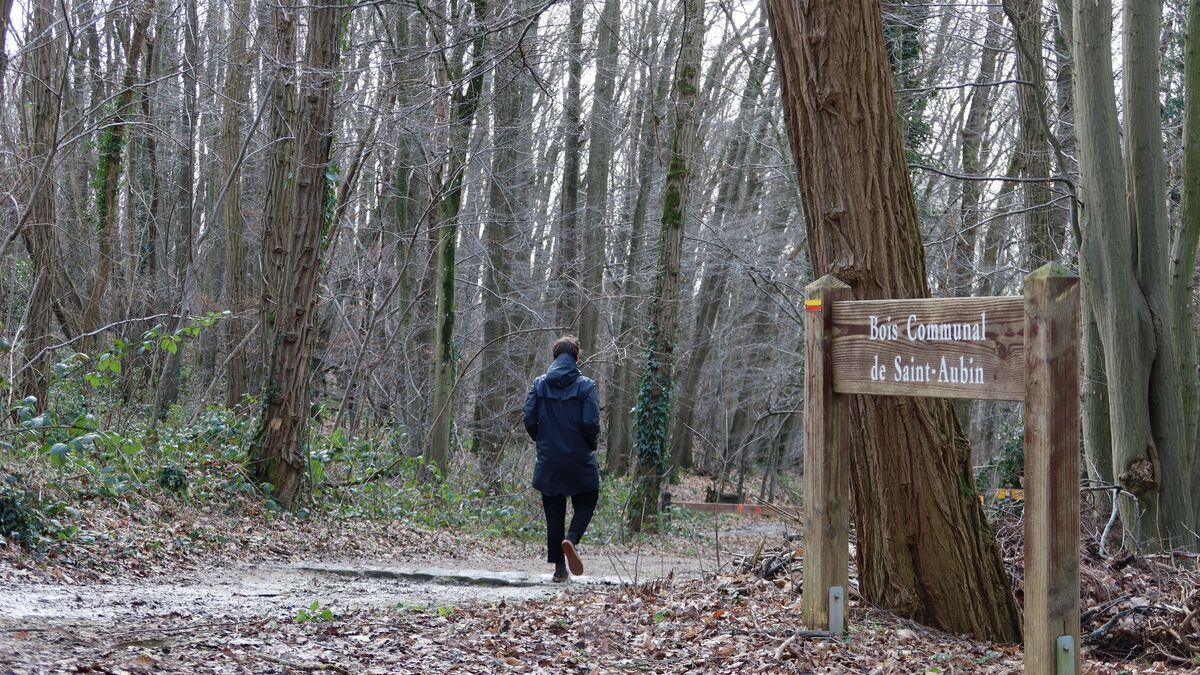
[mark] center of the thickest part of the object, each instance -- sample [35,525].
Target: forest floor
[173,588]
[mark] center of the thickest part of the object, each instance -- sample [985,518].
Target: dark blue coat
[562,416]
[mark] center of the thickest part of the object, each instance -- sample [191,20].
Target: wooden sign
[1019,349]
[956,348]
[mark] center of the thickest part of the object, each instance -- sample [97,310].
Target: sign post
[1008,348]
[1051,470]
[826,460]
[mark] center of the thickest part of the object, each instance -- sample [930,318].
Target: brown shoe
[573,561]
[560,578]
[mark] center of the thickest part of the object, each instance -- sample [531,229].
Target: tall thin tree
[653,411]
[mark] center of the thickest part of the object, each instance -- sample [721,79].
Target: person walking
[562,416]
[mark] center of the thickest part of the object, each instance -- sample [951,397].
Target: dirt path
[48,623]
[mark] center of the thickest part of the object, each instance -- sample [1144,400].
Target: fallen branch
[1111,623]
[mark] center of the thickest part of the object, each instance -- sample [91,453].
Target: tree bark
[1187,236]
[112,145]
[168,387]
[463,106]
[500,382]
[1044,243]
[652,414]
[278,454]
[712,288]
[1129,295]
[40,122]
[924,548]
[600,150]
[567,282]
[237,95]
[622,395]
[962,256]
[279,183]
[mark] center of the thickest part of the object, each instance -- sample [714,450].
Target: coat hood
[563,380]
[563,372]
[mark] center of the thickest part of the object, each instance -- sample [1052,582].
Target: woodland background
[314,251]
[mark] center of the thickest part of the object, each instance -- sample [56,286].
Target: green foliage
[651,414]
[171,479]
[1008,466]
[313,612]
[110,153]
[91,442]
[20,520]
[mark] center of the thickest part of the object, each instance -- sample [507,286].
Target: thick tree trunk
[1129,295]
[1187,236]
[278,452]
[924,547]
[653,412]
[279,182]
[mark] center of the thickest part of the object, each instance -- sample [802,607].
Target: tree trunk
[500,382]
[903,30]
[961,265]
[463,105]
[168,387]
[40,122]
[1129,295]
[278,452]
[237,94]
[112,144]
[962,257]
[279,182]
[567,282]
[600,149]
[1044,244]
[1187,236]
[924,548]
[712,287]
[653,412]
[621,395]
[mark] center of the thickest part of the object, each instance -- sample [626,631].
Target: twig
[783,647]
[1099,632]
[1087,616]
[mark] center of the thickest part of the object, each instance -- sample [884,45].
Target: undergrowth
[93,443]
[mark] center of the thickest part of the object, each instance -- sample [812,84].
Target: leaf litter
[1141,614]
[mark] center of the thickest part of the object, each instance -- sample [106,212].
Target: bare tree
[652,414]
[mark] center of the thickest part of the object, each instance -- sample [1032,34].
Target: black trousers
[583,505]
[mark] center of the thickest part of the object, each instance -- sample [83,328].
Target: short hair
[567,344]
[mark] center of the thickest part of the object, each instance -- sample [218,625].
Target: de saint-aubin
[964,372]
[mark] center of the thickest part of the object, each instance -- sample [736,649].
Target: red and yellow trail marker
[812,305]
